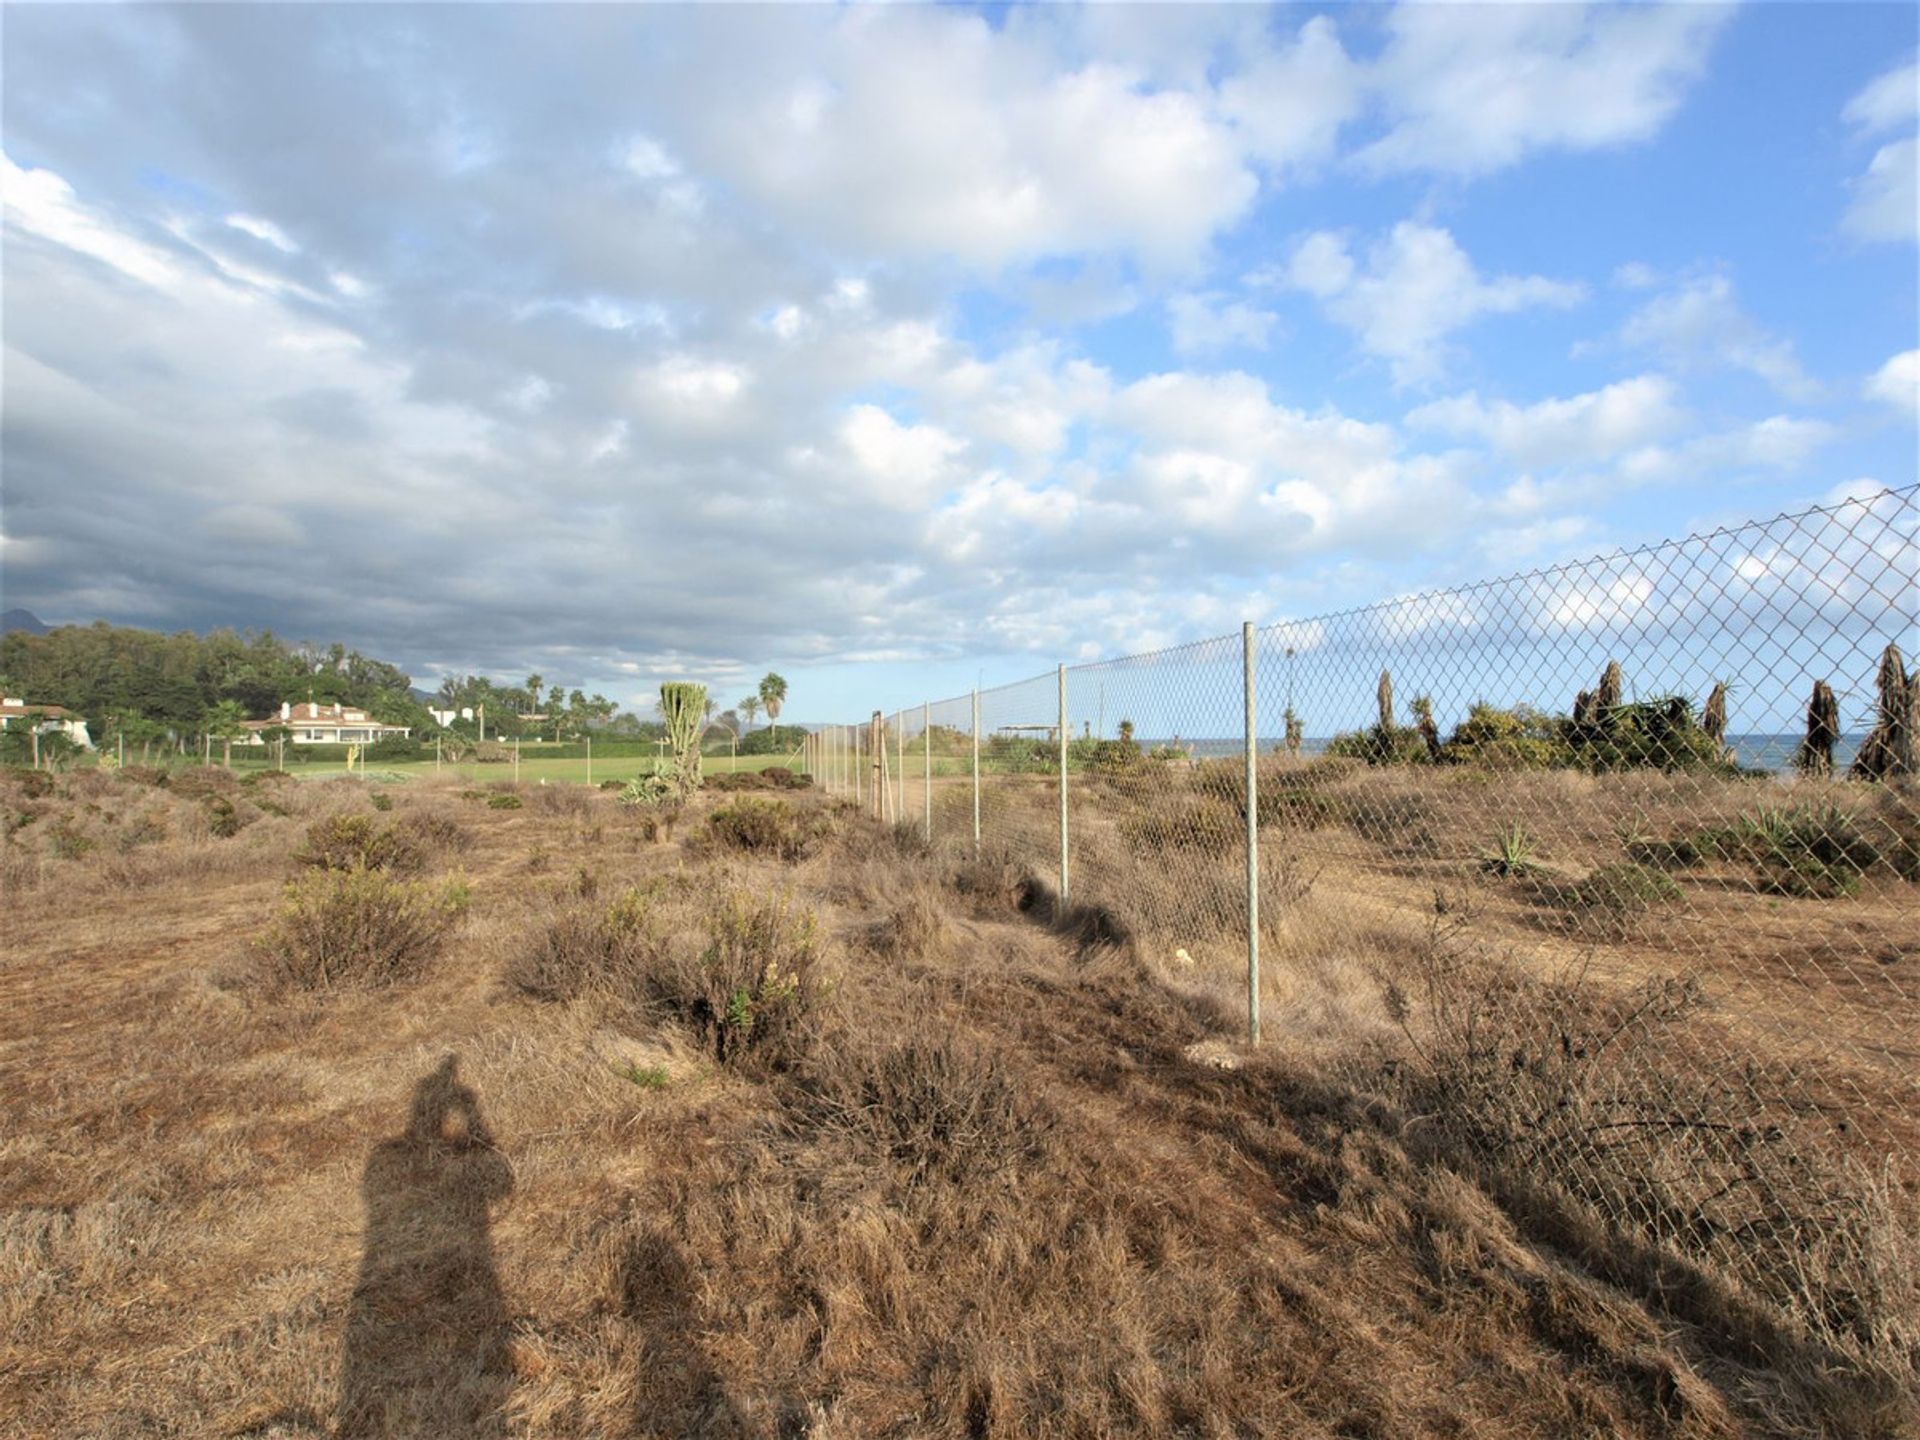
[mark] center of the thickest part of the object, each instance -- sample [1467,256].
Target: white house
[53,720]
[314,724]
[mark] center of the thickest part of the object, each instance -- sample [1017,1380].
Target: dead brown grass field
[791,1127]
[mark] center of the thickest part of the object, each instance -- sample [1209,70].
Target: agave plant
[1512,854]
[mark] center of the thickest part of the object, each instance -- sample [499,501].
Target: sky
[903,348]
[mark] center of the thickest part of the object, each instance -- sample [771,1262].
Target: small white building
[52,720]
[314,724]
[444,718]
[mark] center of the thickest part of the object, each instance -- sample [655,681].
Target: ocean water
[1753,752]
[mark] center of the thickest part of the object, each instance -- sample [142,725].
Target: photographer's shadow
[427,1337]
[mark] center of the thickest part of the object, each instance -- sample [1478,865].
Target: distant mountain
[22,620]
[425,697]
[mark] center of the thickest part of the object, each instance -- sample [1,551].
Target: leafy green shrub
[1679,853]
[503,800]
[649,790]
[358,842]
[1518,739]
[381,800]
[396,747]
[1658,734]
[357,928]
[1818,852]
[1377,745]
[767,827]
[224,820]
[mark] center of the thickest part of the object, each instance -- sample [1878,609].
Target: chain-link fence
[1608,873]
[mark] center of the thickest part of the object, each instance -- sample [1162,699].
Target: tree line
[149,687]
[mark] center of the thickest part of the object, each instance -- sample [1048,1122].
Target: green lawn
[531,769]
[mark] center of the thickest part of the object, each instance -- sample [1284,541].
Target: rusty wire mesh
[1610,873]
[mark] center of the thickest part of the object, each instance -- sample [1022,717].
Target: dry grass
[678,1139]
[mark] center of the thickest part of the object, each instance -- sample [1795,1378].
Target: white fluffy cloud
[929,133]
[1598,426]
[1698,323]
[1290,104]
[1204,324]
[1475,88]
[1413,288]
[1886,199]
[1897,383]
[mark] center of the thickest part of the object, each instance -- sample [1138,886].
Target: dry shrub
[737,780]
[570,800]
[1400,822]
[359,842]
[936,1104]
[1613,902]
[782,778]
[914,927]
[1605,1097]
[752,989]
[990,881]
[30,784]
[432,829]
[202,780]
[356,928]
[1184,819]
[584,948]
[766,827]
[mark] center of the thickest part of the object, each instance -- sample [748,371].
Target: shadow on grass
[426,1347]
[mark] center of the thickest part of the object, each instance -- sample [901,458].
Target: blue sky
[899,348]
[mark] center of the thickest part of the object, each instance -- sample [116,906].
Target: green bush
[503,800]
[1658,734]
[396,747]
[224,820]
[1518,739]
[1397,745]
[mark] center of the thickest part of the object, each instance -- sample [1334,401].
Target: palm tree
[749,706]
[773,694]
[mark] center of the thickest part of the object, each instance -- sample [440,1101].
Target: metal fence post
[976,774]
[1253,841]
[589,762]
[900,756]
[926,759]
[1066,885]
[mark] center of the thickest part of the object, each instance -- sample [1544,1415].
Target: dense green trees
[150,688]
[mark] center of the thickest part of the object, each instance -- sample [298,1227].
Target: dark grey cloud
[633,337]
